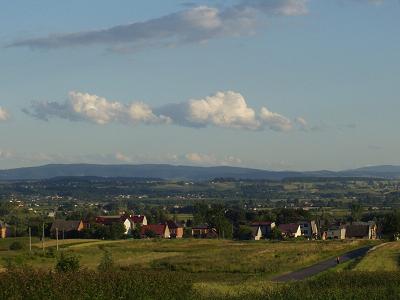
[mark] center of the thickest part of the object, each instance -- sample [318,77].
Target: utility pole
[30,240]
[57,237]
[43,236]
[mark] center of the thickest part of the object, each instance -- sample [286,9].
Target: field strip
[95,243]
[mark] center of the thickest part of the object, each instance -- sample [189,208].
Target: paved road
[321,266]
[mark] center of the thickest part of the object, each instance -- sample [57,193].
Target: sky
[269,84]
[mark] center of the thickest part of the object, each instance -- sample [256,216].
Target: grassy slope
[384,258]
[205,260]
[217,269]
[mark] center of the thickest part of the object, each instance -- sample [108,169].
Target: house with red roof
[155,230]
[137,220]
[291,230]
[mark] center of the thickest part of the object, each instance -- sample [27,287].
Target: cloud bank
[193,25]
[4,115]
[224,109]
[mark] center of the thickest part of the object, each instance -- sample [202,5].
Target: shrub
[245,232]
[150,234]
[67,263]
[106,263]
[16,246]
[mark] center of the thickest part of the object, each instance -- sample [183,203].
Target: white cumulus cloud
[99,110]
[275,121]
[223,109]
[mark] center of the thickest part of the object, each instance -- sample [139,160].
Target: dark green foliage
[67,263]
[106,263]
[150,233]
[276,234]
[187,233]
[128,283]
[16,246]
[391,223]
[136,232]
[245,232]
[356,211]
[106,232]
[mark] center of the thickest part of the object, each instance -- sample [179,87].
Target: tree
[136,231]
[150,233]
[245,232]
[356,211]
[67,263]
[276,234]
[117,231]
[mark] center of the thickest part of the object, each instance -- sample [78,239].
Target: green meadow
[209,268]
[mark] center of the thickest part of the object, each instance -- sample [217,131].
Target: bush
[67,263]
[150,234]
[245,233]
[16,246]
[106,263]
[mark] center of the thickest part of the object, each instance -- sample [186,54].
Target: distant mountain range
[183,172]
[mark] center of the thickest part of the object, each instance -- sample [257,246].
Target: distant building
[66,229]
[5,230]
[159,230]
[309,229]
[204,231]
[291,230]
[362,230]
[256,233]
[137,220]
[336,233]
[175,229]
[266,227]
[109,220]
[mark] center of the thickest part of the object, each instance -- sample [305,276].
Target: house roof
[254,230]
[137,219]
[202,226]
[289,228]
[173,225]
[261,223]
[357,231]
[107,220]
[158,229]
[64,225]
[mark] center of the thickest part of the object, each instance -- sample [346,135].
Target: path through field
[321,266]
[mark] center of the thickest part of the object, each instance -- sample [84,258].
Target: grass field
[384,258]
[216,269]
[200,258]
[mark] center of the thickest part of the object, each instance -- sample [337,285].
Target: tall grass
[116,284]
[330,286]
[133,284]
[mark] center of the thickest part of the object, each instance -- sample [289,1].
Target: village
[137,226]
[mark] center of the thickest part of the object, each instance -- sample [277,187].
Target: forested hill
[169,172]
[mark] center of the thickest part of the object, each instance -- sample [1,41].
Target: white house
[336,233]
[256,233]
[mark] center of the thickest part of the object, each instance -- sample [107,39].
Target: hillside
[169,172]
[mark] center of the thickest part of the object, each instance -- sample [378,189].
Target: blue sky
[273,84]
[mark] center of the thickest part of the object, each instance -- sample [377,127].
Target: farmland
[207,269]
